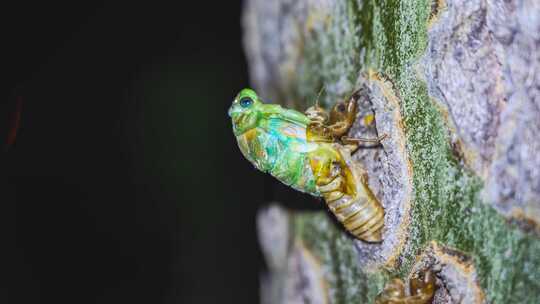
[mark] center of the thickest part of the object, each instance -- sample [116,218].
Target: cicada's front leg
[342,118]
[393,293]
[317,129]
[332,127]
[423,288]
[328,169]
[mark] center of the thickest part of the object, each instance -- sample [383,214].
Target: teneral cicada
[310,153]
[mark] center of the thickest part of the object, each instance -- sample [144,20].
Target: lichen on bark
[465,78]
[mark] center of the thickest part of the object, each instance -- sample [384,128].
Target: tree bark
[456,87]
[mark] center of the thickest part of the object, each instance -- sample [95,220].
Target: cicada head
[245,111]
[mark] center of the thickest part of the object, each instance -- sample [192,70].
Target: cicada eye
[246,102]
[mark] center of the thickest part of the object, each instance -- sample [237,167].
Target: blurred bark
[456,86]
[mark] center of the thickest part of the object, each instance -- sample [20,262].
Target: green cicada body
[296,150]
[280,147]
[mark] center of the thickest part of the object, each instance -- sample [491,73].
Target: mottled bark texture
[456,87]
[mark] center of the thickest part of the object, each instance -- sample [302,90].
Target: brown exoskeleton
[332,127]
[421,290]
[346,191]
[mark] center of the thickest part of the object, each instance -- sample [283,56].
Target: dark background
[125,184]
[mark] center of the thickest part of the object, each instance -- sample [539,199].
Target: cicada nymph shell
[421,290]
[342,181]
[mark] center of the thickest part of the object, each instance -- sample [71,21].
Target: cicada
[421,290]
[310,153]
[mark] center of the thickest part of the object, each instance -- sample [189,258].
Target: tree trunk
[456,87]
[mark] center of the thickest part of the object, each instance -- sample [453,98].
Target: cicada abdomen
[343,185]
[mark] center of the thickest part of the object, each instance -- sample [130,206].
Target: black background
[125,184]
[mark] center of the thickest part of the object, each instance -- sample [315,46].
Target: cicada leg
[317,130]
[394,290]
[342,118]
[328,168]
[329,127]
[354,143]
[351,141]
[423,288]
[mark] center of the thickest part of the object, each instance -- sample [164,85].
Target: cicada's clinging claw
[350,140]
